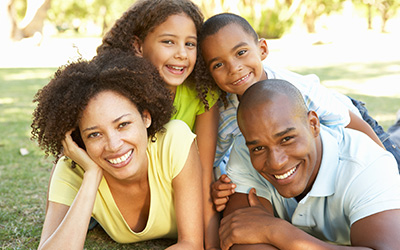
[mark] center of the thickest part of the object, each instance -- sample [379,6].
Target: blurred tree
[86,16]
[35,13]
[387,9]
[311,10]
[270,19]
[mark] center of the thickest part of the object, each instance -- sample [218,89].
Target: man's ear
[314,123]
[146,118]
[262,43]
[137,46]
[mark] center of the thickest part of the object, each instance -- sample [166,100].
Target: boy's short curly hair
[61,102]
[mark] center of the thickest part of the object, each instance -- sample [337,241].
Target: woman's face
[115,135]
[172,48]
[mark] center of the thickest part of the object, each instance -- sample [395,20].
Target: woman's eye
[242,52]
[93,135]
[190,44]
[123,124]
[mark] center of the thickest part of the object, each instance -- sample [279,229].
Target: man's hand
[221,190]
[246,225]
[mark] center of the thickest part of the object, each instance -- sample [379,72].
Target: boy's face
[285,148]
[234,59]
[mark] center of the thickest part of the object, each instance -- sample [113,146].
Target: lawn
[24,178]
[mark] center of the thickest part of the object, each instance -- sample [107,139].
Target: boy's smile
[234,58]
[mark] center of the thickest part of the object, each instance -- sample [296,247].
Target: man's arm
[249,220]
[238,201]
[377,231]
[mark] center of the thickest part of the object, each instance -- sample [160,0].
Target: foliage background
[343,52]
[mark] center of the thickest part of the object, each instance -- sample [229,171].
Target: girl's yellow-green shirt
[188,106]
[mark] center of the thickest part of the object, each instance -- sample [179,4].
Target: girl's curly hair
[61,102]
[142,18]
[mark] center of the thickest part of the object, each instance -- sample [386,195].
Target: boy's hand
[221,190]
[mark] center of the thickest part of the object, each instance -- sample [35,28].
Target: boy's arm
[359,124]
[206,131]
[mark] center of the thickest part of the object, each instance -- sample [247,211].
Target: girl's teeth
[120,159]
[285,175]
[177,68]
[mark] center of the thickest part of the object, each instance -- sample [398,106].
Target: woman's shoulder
[176,129]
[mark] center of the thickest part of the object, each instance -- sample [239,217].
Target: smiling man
[313,186]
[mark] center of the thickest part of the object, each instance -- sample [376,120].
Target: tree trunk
[8,23]
[36,14]
[369,16]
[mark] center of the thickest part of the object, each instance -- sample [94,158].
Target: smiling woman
[110,116]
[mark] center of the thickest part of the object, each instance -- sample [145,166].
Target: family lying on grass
[140,133]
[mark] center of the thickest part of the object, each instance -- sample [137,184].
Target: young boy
[234,56]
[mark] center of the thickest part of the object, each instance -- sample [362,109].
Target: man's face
[284,147]
[234,59]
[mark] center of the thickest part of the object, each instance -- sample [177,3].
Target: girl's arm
[206,131]
[65,227]
[188,203]
[359,124]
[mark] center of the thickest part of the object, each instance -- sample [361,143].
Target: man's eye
[287,138]
[256,149]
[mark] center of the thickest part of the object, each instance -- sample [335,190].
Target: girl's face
[171,47]
[115,135]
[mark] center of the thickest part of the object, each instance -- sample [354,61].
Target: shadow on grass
[97,238]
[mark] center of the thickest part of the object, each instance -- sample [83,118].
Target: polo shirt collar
[324,184]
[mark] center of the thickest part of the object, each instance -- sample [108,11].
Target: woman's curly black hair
[61,102]
[143,17]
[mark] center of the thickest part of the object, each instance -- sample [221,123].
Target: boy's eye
[242,52]
[217,65]
[93,135]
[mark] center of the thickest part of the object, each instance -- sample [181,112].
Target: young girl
[165,32]
[136,168]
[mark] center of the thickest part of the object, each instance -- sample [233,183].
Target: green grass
[24,179]
[359,76]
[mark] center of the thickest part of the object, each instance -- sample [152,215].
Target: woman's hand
[78,154]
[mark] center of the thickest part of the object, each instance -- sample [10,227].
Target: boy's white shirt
[331,106]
